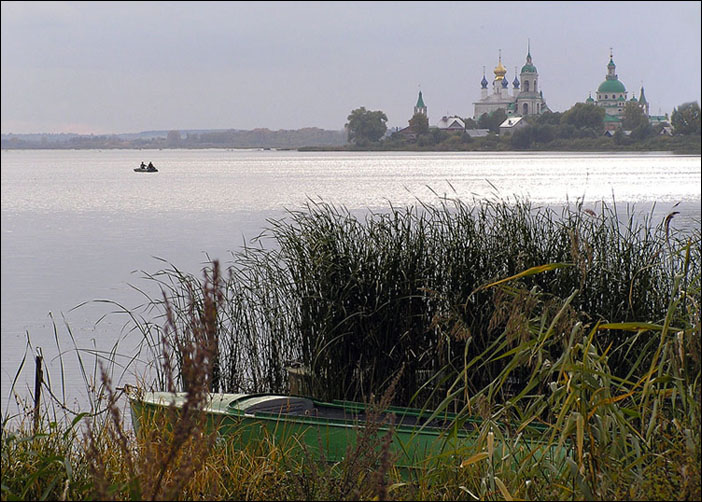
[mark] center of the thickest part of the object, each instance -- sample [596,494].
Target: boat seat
[282,405]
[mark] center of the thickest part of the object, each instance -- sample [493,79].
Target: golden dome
[500,70]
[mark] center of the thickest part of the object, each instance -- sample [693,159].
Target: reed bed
[585,324]
[352,300]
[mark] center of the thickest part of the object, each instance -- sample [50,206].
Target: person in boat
[151,167]
[142,166]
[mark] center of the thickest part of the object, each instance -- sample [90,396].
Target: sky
[120,67]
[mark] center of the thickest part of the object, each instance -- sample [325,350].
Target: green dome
[528,68]
[611,86]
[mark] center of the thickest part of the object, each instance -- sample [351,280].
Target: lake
[81,225]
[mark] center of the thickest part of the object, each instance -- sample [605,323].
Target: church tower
[611,95]
[529,99]
[420,107]
[524,98]
[642,102]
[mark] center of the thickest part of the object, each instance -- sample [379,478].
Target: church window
[534,85]
[526,109]
[605,96]
[526,85]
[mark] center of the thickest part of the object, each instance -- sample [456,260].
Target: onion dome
[611,86]
[589,99]
[611,65]
[505,83]
[484,83]
[515,83]
[528,67]
[500,70]
[633,99]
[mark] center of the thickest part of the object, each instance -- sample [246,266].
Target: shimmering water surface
[81,225]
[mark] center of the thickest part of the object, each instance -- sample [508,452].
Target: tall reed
[536,341]
[353,299]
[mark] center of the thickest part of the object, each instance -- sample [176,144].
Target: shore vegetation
[586,322]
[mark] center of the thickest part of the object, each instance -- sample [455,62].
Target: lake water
[79,226]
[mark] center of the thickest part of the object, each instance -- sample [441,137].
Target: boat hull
[414,441]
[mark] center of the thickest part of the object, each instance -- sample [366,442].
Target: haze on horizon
[118,67]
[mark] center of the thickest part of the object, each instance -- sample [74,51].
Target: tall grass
[587,324]
[354,300]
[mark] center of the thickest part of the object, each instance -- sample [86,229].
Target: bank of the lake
[457,142]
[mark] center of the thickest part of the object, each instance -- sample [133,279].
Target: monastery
[525,99]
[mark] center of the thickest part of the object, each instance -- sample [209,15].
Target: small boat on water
[146,169]
[326,429]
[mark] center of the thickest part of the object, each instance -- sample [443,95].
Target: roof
[454,123]
[611,86]
[642,99]
[420,101]
[528,68]
[511,122]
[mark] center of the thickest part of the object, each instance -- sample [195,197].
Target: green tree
[566,131]
[584,115]
[642,131]
[466,138]
[492,120]
[365,126]
[522,138]
[544,133]
[419,123]
[620,138]
[470,123]
[553,118]
[633,117]
[686,119]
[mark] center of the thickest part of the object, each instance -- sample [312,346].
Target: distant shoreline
[687,145]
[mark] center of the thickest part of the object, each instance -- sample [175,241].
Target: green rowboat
[326,430]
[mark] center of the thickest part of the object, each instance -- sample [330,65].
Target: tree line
[231,138]
[581,126]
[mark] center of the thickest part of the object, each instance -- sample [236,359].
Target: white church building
[525,97]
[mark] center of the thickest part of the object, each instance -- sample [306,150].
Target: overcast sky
[103,67]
